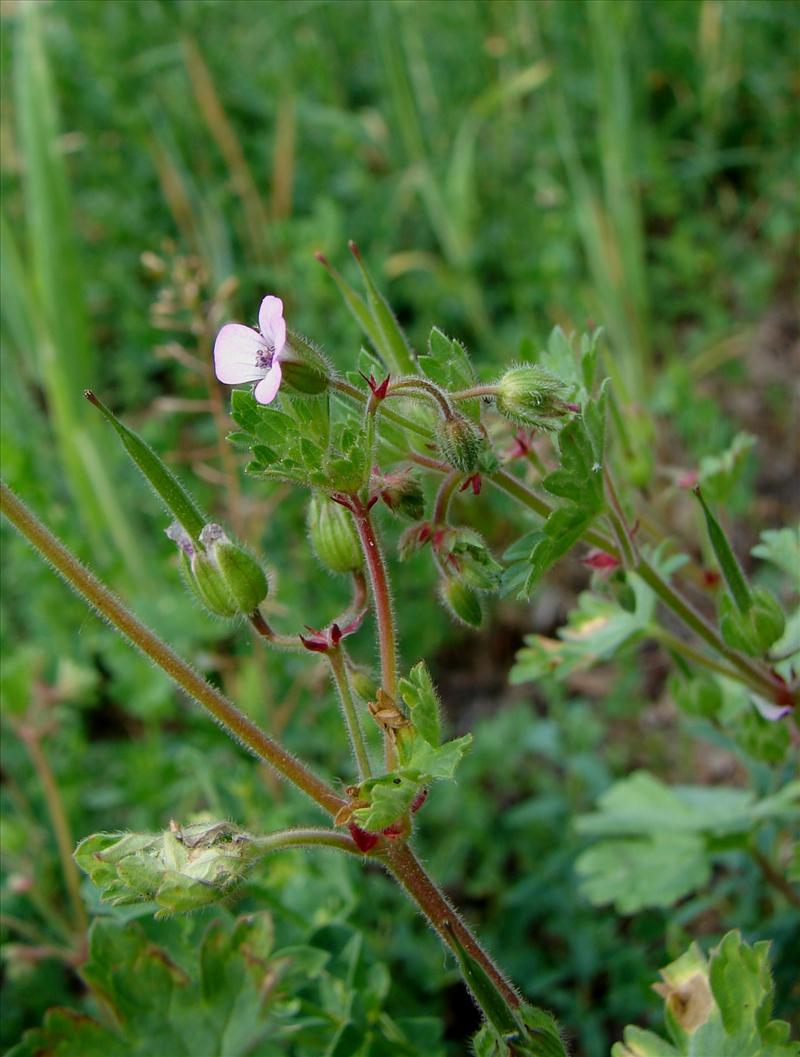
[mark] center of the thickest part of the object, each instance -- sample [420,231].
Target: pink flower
[242,354]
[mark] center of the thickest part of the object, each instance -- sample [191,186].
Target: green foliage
[237,993]
[448,365]
[164,483]
[422,702]
[495,213]
[579,480]
[720,1005]
[781,547]
[719,475]
[597,628]
[657,842]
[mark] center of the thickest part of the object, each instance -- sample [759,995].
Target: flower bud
[531,396]
[754,631]
[461,601]
[363,682]
[210,587]
[413,539]
[242,575]
[460,443]
[304,368]
[402,493]
[465,552]
[223,576]
[333,535]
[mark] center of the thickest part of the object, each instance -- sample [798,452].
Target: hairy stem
[335,659]
[476,390]
[407,869]
[384,615]
[426,387]
[307,838]
[443,497]
[114,611]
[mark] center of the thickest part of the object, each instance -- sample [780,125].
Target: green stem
[307,838]
[775,878]
[424,386]
[60,824]
[476,390]
[394,417]
[443,497]
[112,609]
[672,642]
[384,615]
[406,868]
[336,661]
[617,518]
[747,672]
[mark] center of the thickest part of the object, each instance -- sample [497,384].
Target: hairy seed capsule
[333,536]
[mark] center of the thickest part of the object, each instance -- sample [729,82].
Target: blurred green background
[504,167]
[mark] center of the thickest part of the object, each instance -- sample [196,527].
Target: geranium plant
[400,434]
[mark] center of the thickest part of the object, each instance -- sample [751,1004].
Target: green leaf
[561,360]
[390,796]
[157,1006]
[163,481]
[579,480]
[659,838]
[781,547]
[489,998]
[389,339]
[653,871]
[641,804]
[429,763]
[728,562]
[447,363]
[422,701]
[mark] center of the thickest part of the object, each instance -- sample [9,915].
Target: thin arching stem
[116,613]
[336,661]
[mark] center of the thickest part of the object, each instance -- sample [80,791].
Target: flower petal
[271,322]
[267,388]
[768,710]
[236,354]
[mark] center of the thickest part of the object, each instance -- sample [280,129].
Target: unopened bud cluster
[221,574]
[531,396]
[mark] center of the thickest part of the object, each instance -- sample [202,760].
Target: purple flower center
[265,356]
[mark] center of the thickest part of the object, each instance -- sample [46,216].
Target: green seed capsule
[459,443]
[211,587]
[243,576]
[333,536]
[531,396]
[461,601]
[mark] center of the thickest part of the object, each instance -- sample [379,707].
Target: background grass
[504,167]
